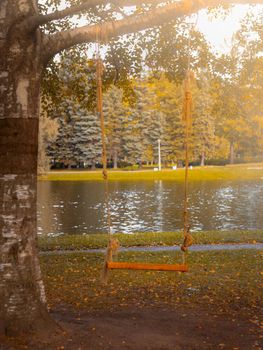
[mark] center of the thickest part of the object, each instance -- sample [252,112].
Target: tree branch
[36,21]
[107,30]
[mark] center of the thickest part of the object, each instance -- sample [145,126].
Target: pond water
[79,207]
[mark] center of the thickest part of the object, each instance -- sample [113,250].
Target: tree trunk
[115,159]
[23,302]
[232,153]
[93,165]
[202,160]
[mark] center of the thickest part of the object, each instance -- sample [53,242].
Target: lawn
[236,172]
[216,305]
[226,281]
[91,241]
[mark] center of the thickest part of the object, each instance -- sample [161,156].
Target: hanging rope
[99,73]
[187,120]
[113,244]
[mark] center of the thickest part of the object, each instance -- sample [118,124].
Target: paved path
[195,248]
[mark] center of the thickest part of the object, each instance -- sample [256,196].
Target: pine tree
[203,122]
[143,113]
[62,149]
[78,141]
[87,140]
[132,146]
[48,130]
[115,114]
[143,127]
[169,104]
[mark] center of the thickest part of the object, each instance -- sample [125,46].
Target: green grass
[238,172]
[223,281]
[76,242]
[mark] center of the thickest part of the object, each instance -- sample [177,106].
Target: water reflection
[79,207]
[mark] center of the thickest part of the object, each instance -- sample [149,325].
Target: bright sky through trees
[219,31]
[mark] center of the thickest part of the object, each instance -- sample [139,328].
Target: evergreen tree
[115,114]
[203,121]
[62,149]
[87,140]
[48,130]
[143,127]
[78,141]
[169,104]
[143,113]
[132,146]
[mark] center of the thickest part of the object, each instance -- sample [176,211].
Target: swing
[143,266]
[113,244]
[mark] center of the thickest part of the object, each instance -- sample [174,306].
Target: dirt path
[154,328]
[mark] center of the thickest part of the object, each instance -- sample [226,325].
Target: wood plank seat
[142,266]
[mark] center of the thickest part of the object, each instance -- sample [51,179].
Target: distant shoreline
[207,173]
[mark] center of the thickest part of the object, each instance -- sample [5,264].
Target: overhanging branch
[38,20]
[107,30]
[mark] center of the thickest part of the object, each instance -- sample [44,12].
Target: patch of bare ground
[151,328]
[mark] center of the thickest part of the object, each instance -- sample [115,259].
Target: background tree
[173,46]
[227,108]
[124,61]
[203,120]
[78,139]
[48,130]
[237,87]
[115,115]
[86,140]
[250,40]
[169,104]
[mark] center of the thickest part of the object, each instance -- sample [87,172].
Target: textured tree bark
[23,302]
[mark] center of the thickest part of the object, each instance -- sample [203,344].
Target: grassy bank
[223,281]
[75,242]
[238,172]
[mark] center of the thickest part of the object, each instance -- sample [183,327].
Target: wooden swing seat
[142,266]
